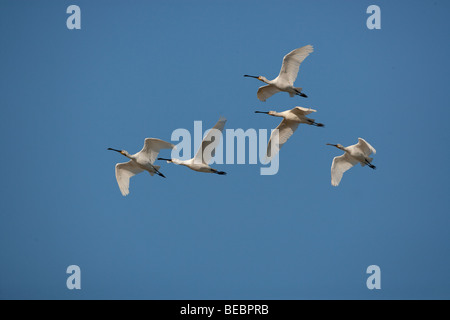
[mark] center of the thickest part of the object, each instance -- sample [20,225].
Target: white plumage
[286,77]
[358,153]
[205,152]
[141,161]
[291,119]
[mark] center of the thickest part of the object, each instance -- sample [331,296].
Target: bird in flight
[291,119]
[286,78]
[205,152]
[359,152]
[141,161]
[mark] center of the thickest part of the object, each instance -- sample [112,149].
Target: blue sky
[145,68]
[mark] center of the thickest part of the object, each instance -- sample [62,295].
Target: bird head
[270,113]
[339,146]
[165,159]
[260,78]
[120,151]
[263,79]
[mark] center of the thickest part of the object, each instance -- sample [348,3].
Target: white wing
[265,92]
[152,147]
[124,171]
[365,147]
[291,63]
[210,139]
[285,130]
[300,111]
[339,166]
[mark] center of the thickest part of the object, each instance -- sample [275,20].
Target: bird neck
[177,161]
[263,79]
[129,156]
[275,114]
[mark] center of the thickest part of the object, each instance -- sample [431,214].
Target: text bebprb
[231,309]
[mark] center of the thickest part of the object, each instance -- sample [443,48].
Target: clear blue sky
[144,68]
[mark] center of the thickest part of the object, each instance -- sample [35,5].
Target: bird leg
[316,124]
[299,93]
[157,172]
[160,174]
[370,165]
[218,172]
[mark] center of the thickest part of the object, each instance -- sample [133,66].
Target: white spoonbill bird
[359,152]
[143,160]
[291,119]
[286,78]
[200,161]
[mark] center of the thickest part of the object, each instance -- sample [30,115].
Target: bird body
[201,159]
[194,165]
[284,82]
[354,154]
[139,162]
[298,114]
[291,119]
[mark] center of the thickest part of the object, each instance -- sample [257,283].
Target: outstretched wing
[265,92]
[151,148]
[365,147]
[210,142]
[285,130]
[300,111]
[291,63]
[340,165]
[124,171]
